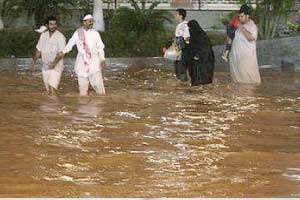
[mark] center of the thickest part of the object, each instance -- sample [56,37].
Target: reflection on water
[150,136]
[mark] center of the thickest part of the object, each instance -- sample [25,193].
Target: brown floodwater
[150,136]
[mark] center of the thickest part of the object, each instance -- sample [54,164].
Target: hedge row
[22,42]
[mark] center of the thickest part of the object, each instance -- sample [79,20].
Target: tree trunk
[98,15]
[1,23]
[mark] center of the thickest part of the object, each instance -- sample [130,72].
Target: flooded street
[150,136]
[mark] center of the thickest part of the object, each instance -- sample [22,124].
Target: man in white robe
[243,58]
[50,43]
[90,59]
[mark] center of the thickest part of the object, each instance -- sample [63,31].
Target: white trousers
[51,78]
[95,80]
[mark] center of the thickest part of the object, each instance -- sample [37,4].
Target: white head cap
[89,16]
[42,29]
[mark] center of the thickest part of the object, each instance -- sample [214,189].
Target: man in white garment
[50,43]
[182,35]
[90,59]
[243,58]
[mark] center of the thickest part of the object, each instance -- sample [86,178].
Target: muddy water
[150,136]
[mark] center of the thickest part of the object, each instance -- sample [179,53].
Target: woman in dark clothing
[202,59]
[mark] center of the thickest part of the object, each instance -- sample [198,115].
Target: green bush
[139,31]
[22,42]
[122,44]
[17,42]
[217,38]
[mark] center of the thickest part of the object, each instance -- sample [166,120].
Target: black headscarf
[200,43]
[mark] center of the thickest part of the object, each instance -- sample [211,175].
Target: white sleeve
[71,43]
[61,43]
[177,31]
[39,44]
[186,32]
[253,30]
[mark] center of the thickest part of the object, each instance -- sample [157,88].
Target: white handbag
[171,53]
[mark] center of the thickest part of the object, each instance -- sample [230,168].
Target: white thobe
[243,58]
[49,47]
[96,47]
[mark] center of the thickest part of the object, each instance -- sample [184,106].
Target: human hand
[239,25]
[60,55]
[103,64]
[51,65]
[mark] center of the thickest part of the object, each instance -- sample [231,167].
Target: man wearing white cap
[50,43]
[90,59]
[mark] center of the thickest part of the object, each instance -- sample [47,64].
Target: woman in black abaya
[202,60]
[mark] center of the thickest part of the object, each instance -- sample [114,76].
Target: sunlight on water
[150,136]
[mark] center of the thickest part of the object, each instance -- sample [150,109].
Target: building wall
[191,4]
[188,4]
[208,19]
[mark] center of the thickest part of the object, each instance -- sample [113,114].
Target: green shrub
[17,42]
[140,19]
[217,38]
[22,42]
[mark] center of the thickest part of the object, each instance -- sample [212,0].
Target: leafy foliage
[42,8]
[10,8]
[117,44]
[269,14]
[140,19]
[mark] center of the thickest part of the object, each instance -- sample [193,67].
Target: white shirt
[96,46]
[182,30]
[49,47]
